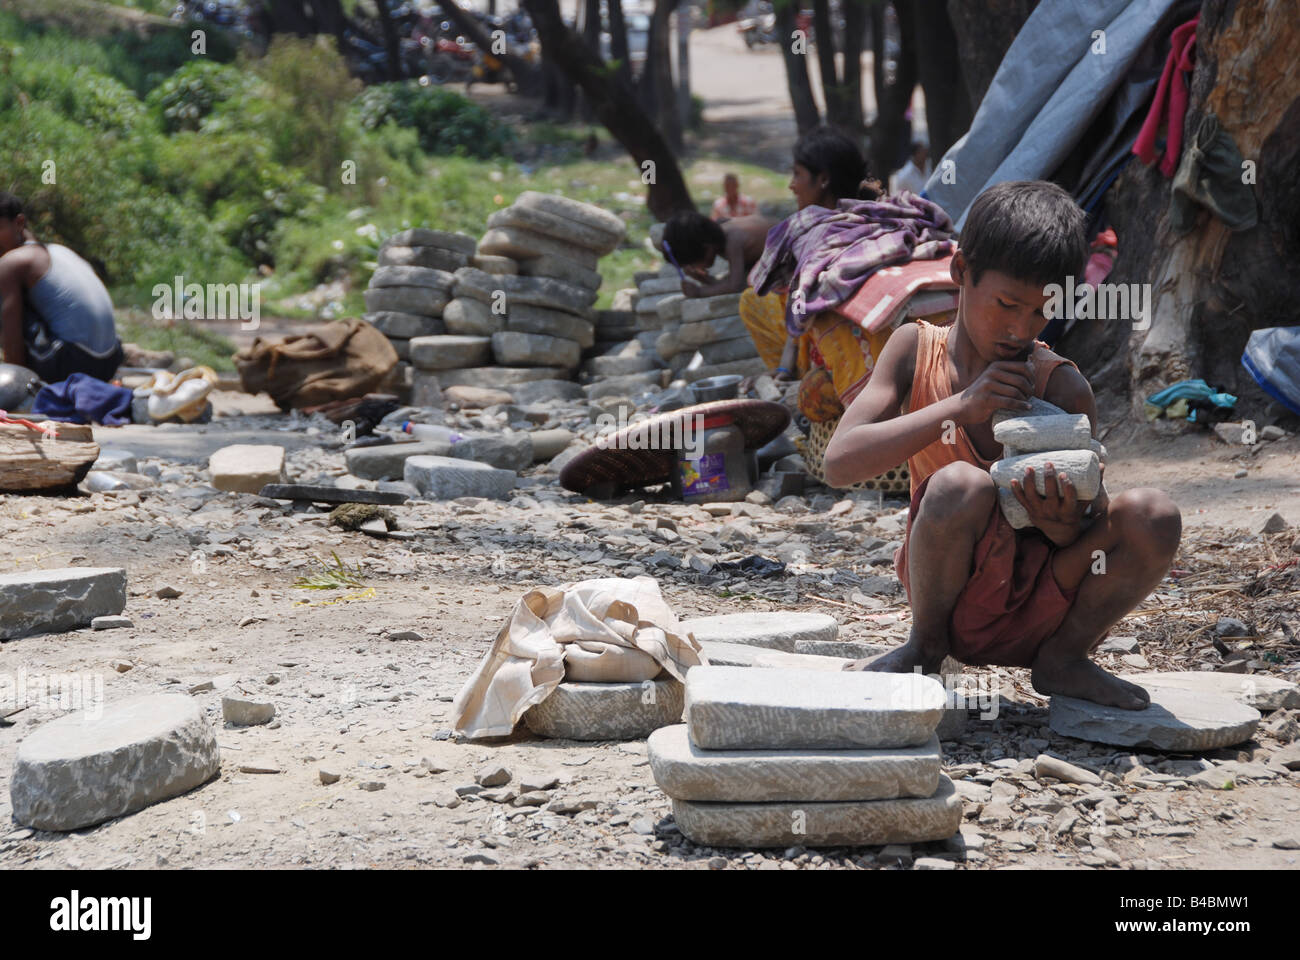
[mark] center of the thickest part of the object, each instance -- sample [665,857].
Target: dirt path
[370,708]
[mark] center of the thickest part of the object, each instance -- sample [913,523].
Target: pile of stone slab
[513,307]
[788,757]
[707,339]
[1046,434]
[410,289]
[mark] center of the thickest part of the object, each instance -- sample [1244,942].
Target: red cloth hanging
[1170,103]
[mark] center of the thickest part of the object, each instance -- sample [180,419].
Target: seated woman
[824,257]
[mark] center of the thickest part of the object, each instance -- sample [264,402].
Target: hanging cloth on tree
[1210,176]
[1170,103]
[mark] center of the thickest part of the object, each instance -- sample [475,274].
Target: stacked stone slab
[709,340]
[521,308]
[1046,434]
[409,291]
[783,757]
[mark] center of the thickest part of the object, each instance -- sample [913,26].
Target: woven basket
[813,450]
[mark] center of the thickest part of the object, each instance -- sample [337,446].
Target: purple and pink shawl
[824,256]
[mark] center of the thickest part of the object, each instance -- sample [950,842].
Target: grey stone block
[1175,720]
[426,390]
[535,349]
[746,368]
[246,713]
[388,461]
[115,460]
[805,824]
[509,291]
[561,268]
[449,352]
[495,265]
[550,443]
[434,258]
[587,214]
[685,772]
[401,346]
[246,467]
[726,351]
[721,654]
[529,318]
[1037,408]
[1257,690]
[419,237]
[468,317]
[734,708]
[523,245]
[619,366]
[1035,434]
[405,311]
[499,377]
[628,385]
[539,391]
[607,711]
[92,766]
[649,306]
[440,280]
[560,228]
[848,649]
[1081,466]
[709,308]
[513,451]
[653,285]
[445,478]
[49,601]
[780,630]
[711,331]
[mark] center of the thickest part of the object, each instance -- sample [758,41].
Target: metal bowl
[725,387]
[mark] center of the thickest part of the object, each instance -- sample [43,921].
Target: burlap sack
[331,361]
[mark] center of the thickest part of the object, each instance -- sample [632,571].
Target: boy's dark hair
[827,150]
[1028,229]
[688,233]
[10,206]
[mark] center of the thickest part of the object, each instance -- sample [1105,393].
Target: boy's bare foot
[904,659]
[1084,679]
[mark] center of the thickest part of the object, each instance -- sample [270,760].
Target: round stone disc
[91,766]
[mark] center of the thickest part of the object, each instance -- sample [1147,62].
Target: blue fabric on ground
[83,399]
[1192,390]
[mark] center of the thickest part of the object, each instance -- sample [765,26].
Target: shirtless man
[692,242]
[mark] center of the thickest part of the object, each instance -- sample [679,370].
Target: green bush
[446,122]
[183,100]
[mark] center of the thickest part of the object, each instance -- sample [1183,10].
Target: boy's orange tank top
[931,383]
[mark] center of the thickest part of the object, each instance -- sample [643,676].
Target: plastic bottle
[431,431]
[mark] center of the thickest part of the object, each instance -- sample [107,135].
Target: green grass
[246,185]
[204,346]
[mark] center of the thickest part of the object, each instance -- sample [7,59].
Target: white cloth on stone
[614,629]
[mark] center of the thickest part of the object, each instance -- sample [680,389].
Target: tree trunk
[889,132]
[948,111]
[392,44]
[984,30]
[656,86]
[288,16]
[330,18]
[856,13]
[832,91]
[616,107]
[1210,287]
[806,114]
[618,40]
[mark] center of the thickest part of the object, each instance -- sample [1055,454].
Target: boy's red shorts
[1012,602]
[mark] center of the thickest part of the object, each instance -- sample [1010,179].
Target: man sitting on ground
[56,317]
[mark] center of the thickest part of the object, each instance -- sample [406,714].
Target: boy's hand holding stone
[1058,512]
[1004,385]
